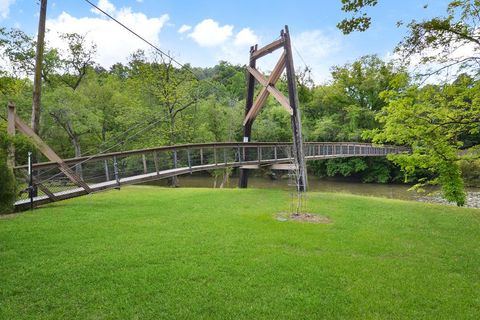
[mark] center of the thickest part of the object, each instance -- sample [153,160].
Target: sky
[203,32]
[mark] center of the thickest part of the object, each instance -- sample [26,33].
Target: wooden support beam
[273,91]
[40,186]
[269,48]
[45,190]
[264,93]
[50,154]
[296,118]
[247,127]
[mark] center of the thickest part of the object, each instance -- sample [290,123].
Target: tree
[343,109]
[19,55]
[70,111]
[451,43]
[170,93]
[77,59]
[436,121]
[432,120]
[360,21]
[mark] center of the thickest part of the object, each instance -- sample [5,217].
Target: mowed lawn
[155,253]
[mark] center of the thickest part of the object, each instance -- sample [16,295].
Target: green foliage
[470,171]
[345,167]
[431,120]
[378,170]
[360,21]
[7,180]
[341,110]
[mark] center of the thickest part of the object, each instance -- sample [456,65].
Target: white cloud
[114,44]
[445,68]
[5,8]
[106,6]
[184,28]
[246,37]
[209,33]
[317,50]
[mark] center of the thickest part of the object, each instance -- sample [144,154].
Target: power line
[143,39]
[153,123]
[301,58]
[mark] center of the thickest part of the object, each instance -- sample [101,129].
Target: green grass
[153,253]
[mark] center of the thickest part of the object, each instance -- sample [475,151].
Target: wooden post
[144,160]
[37,80]
[189,160]
[155,161]
[296,119]
[11,132]
[115,172]
[247,128]
[201,156]
[30,180]
[107,175]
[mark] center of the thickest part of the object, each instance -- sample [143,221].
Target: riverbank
[389,191]
[149,253]
[473,200]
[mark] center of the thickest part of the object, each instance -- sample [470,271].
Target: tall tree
[433,120]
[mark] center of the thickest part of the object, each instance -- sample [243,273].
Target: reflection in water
[395,191]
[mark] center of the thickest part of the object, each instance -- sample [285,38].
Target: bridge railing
[114,169]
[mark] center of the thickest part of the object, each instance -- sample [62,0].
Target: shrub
[7,179]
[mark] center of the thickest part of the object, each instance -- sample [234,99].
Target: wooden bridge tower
[291,103]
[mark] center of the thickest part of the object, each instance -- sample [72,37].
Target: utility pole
[37,80]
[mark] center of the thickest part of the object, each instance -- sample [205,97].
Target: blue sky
[223,30]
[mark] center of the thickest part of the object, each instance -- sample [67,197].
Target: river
[392,191]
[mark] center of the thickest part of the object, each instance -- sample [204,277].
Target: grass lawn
[154,253]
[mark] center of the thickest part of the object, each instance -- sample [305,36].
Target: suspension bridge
[113,170]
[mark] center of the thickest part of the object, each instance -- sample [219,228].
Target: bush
[7,179]
[7,186]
